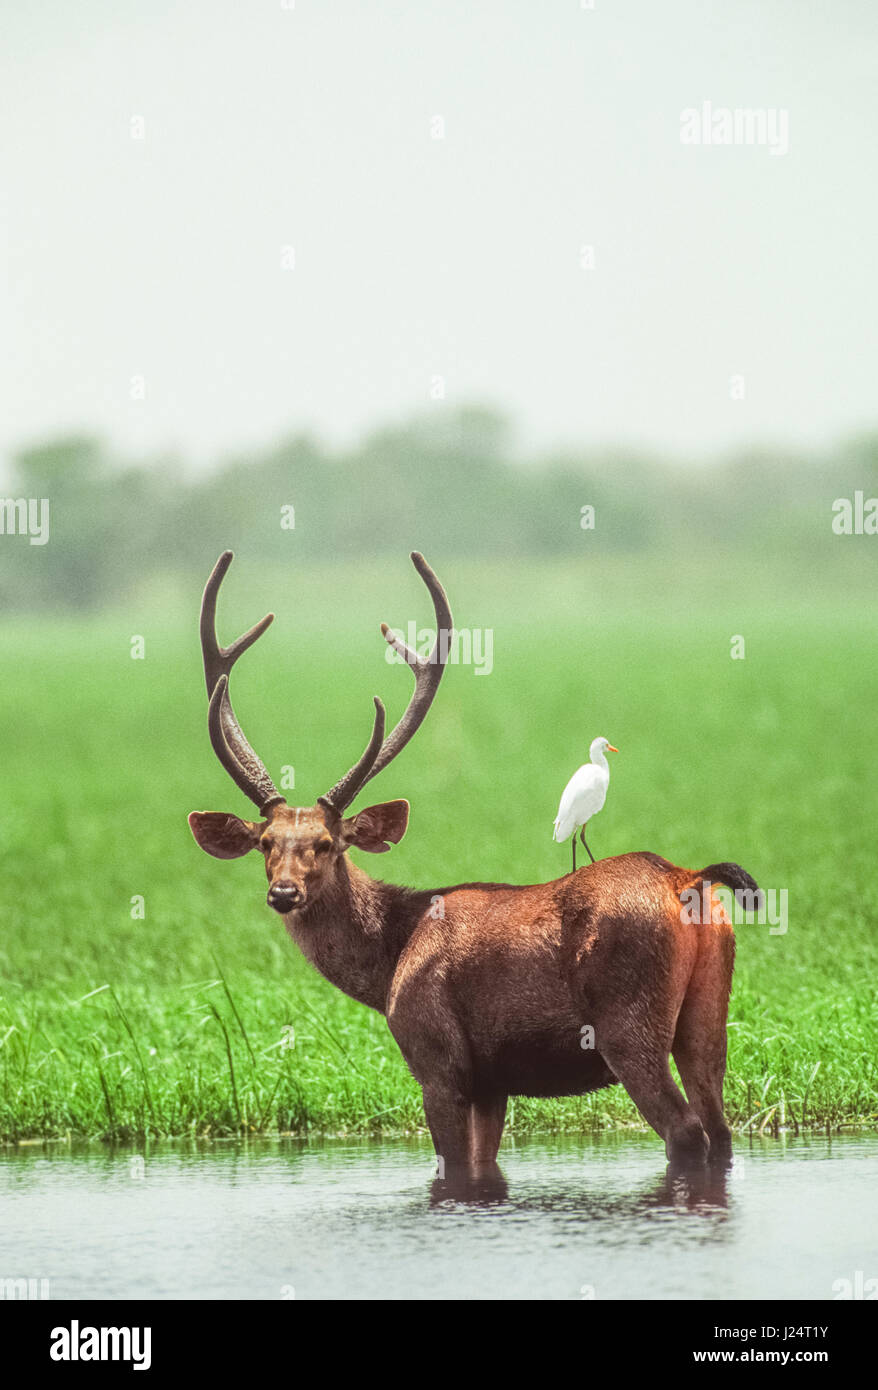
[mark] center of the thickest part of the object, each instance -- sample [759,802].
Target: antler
[428,673]
[218,661]
[226,735]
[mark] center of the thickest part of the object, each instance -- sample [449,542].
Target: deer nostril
[283,897]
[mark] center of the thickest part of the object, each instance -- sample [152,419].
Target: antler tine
[226,735]
[428,670]
[235,753]
[218,661]
[343,792]
[428,673]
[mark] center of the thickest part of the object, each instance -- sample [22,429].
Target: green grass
[115,1027]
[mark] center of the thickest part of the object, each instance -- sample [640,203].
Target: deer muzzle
[285,897]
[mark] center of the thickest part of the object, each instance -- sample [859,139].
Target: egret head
[599,747]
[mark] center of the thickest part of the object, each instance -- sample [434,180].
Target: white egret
[584,796]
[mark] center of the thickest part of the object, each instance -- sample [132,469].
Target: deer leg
[699,1044]
[448,1119]
[487,1117]
[649,1083]
[702,1076]
[582,838]
[630,989]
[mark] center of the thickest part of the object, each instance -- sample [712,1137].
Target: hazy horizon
[163,164]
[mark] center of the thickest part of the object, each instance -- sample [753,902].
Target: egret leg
[582,838]
[573,843]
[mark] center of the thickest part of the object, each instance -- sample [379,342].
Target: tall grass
[200,1017]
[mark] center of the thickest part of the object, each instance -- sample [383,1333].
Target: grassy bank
[200,1017]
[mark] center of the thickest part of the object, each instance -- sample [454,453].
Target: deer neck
[356,931]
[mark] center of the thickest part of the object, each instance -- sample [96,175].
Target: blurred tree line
[450,483]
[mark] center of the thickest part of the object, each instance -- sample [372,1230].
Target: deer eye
[322,846]
[265,845]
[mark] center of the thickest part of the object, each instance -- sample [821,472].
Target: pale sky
[268,126]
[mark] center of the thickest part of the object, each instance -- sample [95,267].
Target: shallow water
[570,1219]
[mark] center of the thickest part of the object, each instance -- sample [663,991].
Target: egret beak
[611,749]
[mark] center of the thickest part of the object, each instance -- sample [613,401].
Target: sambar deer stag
[490,996]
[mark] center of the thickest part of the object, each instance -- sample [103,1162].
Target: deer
[490,990]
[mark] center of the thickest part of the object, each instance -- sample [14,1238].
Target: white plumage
[584,794]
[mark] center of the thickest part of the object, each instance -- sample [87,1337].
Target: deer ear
[225,837]
[370,829]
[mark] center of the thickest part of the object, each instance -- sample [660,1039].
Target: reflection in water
[367,1220]
[693,1190]
[486,1188]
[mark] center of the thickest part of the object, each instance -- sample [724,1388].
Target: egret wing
[565,821]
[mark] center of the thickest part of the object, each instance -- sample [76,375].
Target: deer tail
[732,875]
[695,889]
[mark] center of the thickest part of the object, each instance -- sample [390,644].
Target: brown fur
[487,987]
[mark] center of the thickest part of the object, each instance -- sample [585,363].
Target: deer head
[302,846]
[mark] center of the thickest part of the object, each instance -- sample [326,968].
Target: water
[571,1218]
